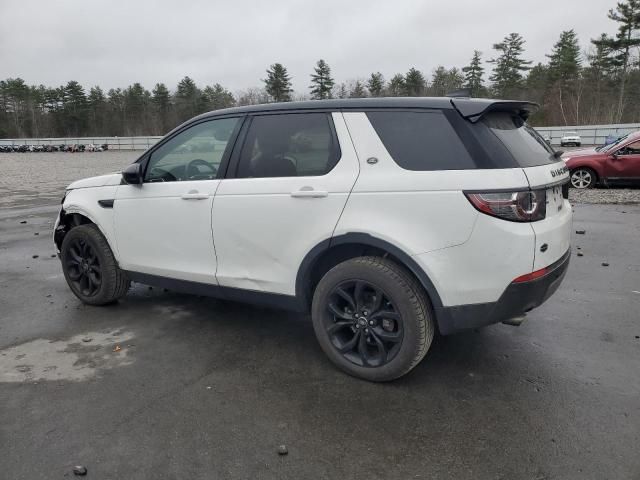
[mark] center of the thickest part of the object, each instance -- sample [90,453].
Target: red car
[616,163]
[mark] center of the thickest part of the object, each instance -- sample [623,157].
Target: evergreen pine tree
[75,108]
[278,83]
[189,101]
[564,61]
[414,83]
[375,84]
[161,99]
[321,81]
[357,91]
[473,75]
[396,86]
[627,14]
[509,65]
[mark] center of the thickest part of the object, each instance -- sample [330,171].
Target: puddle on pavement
[74,359]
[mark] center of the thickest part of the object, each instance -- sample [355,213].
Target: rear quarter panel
[418,211]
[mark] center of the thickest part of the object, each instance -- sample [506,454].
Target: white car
[570,138]
[385,218]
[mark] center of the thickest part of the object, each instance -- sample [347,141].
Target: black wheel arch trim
[364,239]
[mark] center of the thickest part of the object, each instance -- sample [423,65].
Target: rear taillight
[524,206]
[532,276]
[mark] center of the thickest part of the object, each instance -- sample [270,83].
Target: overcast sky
[114,43]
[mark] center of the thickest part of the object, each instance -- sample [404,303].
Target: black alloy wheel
[83,267]
[363,324]
[89,267]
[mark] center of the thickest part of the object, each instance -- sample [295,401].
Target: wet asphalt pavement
[164,385]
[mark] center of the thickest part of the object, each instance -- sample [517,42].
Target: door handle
[309,192]
[194,195]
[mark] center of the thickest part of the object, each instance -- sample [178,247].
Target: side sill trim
[274,300]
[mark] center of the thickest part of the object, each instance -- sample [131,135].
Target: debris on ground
[35,256]
[80,470]
[53,255]
[581,232]
[580,254]
[87,339]
[117,348]
[282,450]
[605,264]
[36,233]
[23,221]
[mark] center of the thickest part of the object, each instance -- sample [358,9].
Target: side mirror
[132,175]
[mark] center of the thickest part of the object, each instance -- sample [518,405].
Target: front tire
[583,178]
[372,319]
[89,267]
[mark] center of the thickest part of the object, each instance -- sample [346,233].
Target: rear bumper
[516,300]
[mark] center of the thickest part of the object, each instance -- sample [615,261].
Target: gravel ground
[30,179]
[605,195]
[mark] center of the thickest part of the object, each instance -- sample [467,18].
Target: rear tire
[89,267]
[372,319]
[583,178]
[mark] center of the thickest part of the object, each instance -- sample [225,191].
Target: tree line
[598,87]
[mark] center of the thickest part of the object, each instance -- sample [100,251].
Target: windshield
[606,148]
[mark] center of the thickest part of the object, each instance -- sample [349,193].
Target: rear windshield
[421,140]
[526,146]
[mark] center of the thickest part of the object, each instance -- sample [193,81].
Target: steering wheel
[192,172]
[161,175]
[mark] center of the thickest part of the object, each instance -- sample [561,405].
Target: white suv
[384,218]
[570,138]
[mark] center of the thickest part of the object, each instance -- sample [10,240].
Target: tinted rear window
[526,146]
[421,140]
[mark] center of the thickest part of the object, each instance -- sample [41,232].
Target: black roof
[470,108]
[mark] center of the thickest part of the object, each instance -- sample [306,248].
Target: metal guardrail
[115,143]
[590,135]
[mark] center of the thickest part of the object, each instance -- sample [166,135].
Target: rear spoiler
[474,109]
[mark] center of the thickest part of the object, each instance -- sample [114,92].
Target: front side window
[631,149]
[193,154]
[288,145]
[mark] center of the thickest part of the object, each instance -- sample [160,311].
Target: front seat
[271,161]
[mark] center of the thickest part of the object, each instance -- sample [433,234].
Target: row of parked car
[53,148]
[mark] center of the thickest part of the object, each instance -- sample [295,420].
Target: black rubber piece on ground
[408,297]
[114,282]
